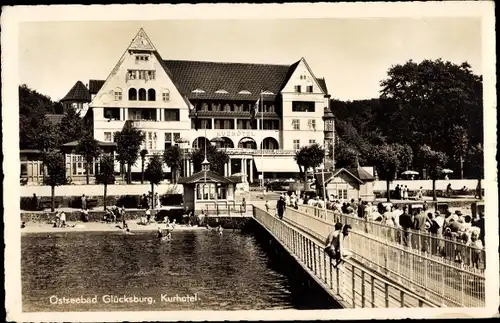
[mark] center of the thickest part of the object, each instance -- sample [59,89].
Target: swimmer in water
[219,229]
[159,233]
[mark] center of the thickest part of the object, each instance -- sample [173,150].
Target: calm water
[228,272]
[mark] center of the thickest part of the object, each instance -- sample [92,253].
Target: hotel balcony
[238,151]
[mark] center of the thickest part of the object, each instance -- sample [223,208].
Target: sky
[352,54]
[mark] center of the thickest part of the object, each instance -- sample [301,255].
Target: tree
[71,126]
[216,157]
[35,130]
[143,154]
[405,155]
[433,161]
[106,173]
[428,99]
[387,163]
[476,165]
[345,156]
[128,145]
[459,141]
[309,157]
[154,173]
[172,156]
[88,147]
[56,172]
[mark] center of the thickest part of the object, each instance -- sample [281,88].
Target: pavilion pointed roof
[200,177]
[78,93]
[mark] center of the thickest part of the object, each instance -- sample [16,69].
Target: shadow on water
[229,272]
[305,292]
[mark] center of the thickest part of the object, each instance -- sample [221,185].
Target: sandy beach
[100,227]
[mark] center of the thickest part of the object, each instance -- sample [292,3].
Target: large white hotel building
[157,96]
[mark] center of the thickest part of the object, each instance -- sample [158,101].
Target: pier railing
[229,208]
[435,279]
[451,251]
[351,284]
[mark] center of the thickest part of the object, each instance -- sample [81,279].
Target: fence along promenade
[352,284]
[438,279]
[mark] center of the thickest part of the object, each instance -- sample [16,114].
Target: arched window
[151,95]
[132,94]
[142,95]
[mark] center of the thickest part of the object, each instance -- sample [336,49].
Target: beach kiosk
[207,190]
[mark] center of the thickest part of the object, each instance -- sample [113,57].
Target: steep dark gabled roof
[322,84]
[329,175]
[361,173]
[200,176]
[78,93]
[231,77]
[95,86]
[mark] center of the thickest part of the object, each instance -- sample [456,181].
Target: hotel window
[295,124]
[141,58]
[311,123]
[204,107]
[177,136]
[151,140]
[296,144]
[205,124]
[329,125]
[309,89]
[227,108]
[165,96]
[172,115]
[271,125]
[131,75]
[151,95]
[111,113]
[168,140]
[142,95]
[297,88]
[151,75]
[108,137]
[142,75]
[312,141]
[118,94]
[132,94]
[302,106]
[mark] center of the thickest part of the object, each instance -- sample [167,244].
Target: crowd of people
[440,233]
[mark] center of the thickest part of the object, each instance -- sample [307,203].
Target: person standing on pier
[280,207]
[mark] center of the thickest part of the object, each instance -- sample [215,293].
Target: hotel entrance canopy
[276,164]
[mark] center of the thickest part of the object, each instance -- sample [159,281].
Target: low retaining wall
[129,201]
[427,184]
[94,190]
[227,222]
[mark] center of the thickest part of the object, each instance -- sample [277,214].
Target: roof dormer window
[221,92]
[244,92]
[198,91]
[268,92]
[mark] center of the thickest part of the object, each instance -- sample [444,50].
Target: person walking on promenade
[281,207]
[267,206]
[84,202]
[419,225]
[405,222]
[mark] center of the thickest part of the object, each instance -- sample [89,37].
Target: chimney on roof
[87,85]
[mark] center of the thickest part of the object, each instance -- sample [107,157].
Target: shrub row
[129,201]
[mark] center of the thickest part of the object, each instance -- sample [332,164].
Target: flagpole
[262,148]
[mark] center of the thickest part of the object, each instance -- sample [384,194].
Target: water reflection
[227,272]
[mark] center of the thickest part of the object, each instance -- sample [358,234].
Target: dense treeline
[36,131]
[432,104]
